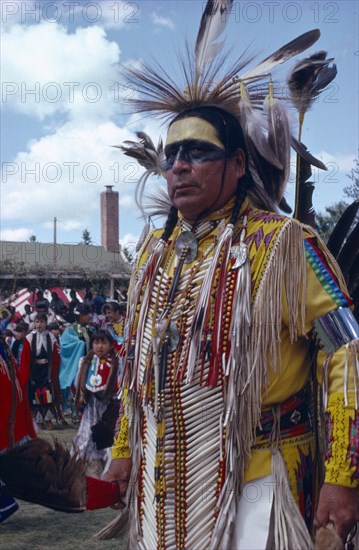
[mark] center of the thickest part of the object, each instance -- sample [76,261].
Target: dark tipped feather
[305,210]
[308,78]
[341,229]
[284,206]
[349,252]
[144,151]
[301,149]
[253,125]
[213,22]
[292,48]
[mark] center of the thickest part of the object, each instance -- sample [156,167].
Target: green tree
[325,222]
[33,239]
[352,191]
[86,237]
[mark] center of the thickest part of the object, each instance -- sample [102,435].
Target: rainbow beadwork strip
[325,276]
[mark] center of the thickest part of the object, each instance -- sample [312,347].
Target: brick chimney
[109,219]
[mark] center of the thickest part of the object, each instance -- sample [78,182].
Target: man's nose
[180,165]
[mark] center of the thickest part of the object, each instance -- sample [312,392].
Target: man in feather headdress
[217,442]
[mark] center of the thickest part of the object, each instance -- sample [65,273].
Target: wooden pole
[55,244]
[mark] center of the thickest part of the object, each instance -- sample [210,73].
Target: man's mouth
[184,186]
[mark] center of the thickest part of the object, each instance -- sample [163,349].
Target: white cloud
[19,234]
[63,174]
[48,71]
[162,21]
[129,241]
[127,200]
[67,225]
[340,162]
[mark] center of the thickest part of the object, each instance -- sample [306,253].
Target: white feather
[213,23]
[295,46]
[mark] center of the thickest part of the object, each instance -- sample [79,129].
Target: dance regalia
[16,424]
[116,331]
[33,469]
[75,343]
[97,384]
[41,352]
[232,414]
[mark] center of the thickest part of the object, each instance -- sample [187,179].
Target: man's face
[199,177]
[19,335]
[40,325]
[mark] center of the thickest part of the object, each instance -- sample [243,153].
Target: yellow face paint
[193,128]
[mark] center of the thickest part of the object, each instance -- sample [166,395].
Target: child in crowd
[97,384]
[20,332]
[41,352]
[75,344]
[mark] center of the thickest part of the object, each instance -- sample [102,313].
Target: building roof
[35,257]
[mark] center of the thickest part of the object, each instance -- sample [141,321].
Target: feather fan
[43,474]
[308,78]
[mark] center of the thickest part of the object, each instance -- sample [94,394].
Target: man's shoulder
[30,336]
[256,215]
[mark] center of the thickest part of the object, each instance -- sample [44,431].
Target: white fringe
[290,530]
[203,302]
[243,401]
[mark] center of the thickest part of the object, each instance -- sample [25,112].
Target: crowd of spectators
[39,336]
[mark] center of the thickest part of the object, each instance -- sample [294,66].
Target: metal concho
[186,247]
[240,254]
[172,333]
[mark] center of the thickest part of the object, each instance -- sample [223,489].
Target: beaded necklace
[165,335]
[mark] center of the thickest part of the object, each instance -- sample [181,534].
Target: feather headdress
[209,79]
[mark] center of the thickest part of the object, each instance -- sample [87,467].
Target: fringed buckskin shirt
[218,434]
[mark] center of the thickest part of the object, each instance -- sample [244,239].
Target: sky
[64,101]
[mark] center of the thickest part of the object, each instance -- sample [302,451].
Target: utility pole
[55,246]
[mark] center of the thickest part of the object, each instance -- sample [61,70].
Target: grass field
[37,528]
